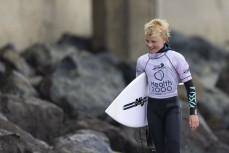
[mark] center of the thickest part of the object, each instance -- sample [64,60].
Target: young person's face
[155,42]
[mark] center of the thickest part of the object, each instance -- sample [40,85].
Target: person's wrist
[193,111]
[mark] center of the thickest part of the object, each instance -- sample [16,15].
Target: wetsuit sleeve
[191,94]
[139,68]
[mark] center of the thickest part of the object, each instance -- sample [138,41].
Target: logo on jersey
[158,67]
[161,85]
[159,75]
[186,71]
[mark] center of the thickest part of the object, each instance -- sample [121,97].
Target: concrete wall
[206,18]
[24,22]
[141,12]
[118,25]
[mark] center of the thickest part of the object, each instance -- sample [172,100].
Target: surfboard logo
[139,101]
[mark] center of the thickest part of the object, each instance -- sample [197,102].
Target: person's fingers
[194,124]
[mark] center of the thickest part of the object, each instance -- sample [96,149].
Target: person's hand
[194,122]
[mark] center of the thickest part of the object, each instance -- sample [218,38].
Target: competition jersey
[163,70]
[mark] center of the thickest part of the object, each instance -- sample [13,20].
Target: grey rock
[16,83]
[15,61]
[40,118]
[14,139]
[82,83]
[82,142]
[215,108]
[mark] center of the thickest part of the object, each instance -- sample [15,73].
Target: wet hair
[157,26]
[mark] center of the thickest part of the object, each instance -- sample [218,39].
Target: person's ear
[165,39]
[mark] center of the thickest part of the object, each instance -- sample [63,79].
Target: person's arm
[139,68]
[191,94]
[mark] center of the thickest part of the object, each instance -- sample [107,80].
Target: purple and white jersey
[163,70]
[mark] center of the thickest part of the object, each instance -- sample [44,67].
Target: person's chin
[153,51]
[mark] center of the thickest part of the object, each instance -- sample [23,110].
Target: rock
[78,86]
[11,143]
[44,57]
[15,140]
[217,147]
[121,138]
[81,43]
[14,61]
[101,135]
[214,108]
[223,136]
[82,83]
[40,118]
[222,82]
[16,83]
[128,72]
[127,68]
[81,142]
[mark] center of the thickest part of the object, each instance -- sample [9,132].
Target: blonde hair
[157,26]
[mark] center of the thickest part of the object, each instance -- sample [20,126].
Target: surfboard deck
[130,106]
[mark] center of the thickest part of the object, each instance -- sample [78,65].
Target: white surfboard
[129,107]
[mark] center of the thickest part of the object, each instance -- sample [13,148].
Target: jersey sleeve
[182,68]
[139,67]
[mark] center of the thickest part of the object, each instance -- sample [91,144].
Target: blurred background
[62,62]
[24,23]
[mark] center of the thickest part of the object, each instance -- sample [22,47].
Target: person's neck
[165,48]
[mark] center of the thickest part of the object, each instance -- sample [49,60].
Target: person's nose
[150,44]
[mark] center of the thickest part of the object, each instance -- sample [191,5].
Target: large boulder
[82,83]
[223,135]
[13,139]
[14,60]
[44,57]
[14,82]
[121,138]
[40,118]
[222,82]
[82,142]
[214,108]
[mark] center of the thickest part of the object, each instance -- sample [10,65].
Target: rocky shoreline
[53,98]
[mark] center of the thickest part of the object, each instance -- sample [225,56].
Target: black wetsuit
[163,70]
[164,121]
